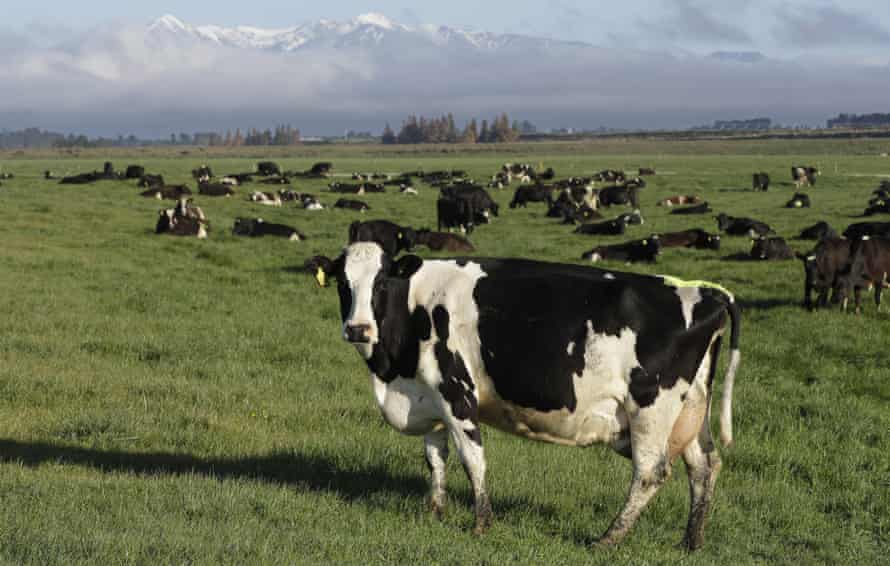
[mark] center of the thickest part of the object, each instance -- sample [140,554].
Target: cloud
[827,26]
[114,80]
[688,21]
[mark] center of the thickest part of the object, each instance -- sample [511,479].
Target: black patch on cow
[643,386]
[399,331]
[457,387]
[475,435]
[462,262]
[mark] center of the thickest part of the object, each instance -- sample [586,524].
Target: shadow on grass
[769,304]
[351,481]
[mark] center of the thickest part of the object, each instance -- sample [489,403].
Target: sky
[74,65]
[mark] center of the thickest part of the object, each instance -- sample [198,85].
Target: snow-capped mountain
[368,30]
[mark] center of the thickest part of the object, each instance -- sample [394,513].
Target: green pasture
[175,401]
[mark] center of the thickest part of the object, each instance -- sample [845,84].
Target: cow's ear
[321,267]
[406,266]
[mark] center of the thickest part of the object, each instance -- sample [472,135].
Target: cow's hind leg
[436,455]
[650,431]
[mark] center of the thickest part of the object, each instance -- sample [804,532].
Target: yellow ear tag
[400,235]
[645,242]
[321,277]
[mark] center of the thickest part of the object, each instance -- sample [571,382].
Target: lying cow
[134,172]
[869,266]
[694,238]
[352,204]
[877,206]
[619,194]
[268,199]
[613,227]
[257,227]
[646,171]
[185,219]
[172,192]
[202,174]
[679,199]
[760,181]
[615,358]
[773,248]
[742,226]
[267,169]
[818,231]
[799,200]
[150,181]
[859,230]
[702,208]
[636,250]
[443,241]
[822,268]
[311,202]
[388,235]
[215,190]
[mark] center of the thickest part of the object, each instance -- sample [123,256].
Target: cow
[613,227]
[6,176]
[455,213]
[184,219]
[171,192]
[480,201]
[818,231]
[869,266]
[536,193]
[877,206]
[619,194]
[289,195]
[267,169]
[439,241]
[559,353]
[49,175]
[240,178]
[742,226]
[352,204]
[646,171]
[799,200]
[760,181]
[311,202]
[802,175]
[636,250]
[320,169]
[215,190]
[391,237]
[694,238]
[407,190]
[702,208]
[610,176]
[268,199]
[80,179]
[632,218]
[679,199]
[134,172]
[858,230]
[202,174]
[150,181]
[257,227]
[822,268]
[770,248]
[231,181]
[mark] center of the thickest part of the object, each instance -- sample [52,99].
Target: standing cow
[552,352]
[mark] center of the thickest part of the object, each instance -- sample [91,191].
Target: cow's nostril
[357,333]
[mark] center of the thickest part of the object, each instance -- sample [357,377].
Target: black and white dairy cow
[559,353]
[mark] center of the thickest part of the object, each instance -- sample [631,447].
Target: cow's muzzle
[357,333]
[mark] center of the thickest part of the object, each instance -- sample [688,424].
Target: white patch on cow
[609,276]
[294,237]
[689,297]
[406,404]
[570,348]
[595,258]
[364,261]
[202,232]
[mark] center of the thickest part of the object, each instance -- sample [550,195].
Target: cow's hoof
[691,542]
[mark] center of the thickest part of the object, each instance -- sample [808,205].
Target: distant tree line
[859,120]
[444,130]
[281,135]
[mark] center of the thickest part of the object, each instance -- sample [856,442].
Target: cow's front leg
[469,447]
[436,455]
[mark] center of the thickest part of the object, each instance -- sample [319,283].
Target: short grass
[170,400]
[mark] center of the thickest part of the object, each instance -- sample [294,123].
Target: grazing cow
[536,193]
[215,190]
[150,181]
[439,241]
[267,169]
[694,238]
[760,181]
[742,226]
[559,353]
[257,227]
[352,204]
[702,208]
[202,174]
[679,199]
[388,235]
[646,171]
[636,250]
[822,268]
[268,199]
[818,231]
[799,200]
[858,230]
[172,192]
[804,175]
[773,248]
[480,201]
[613,227]
[134,172]
[455,213]
[869,266]
[619,194]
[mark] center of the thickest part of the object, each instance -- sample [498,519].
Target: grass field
[169,400]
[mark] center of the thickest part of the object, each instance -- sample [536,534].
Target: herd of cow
[561,353]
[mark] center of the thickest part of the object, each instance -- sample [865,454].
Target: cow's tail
[735,357]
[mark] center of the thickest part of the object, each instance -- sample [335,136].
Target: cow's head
[363,273]
[712,241]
